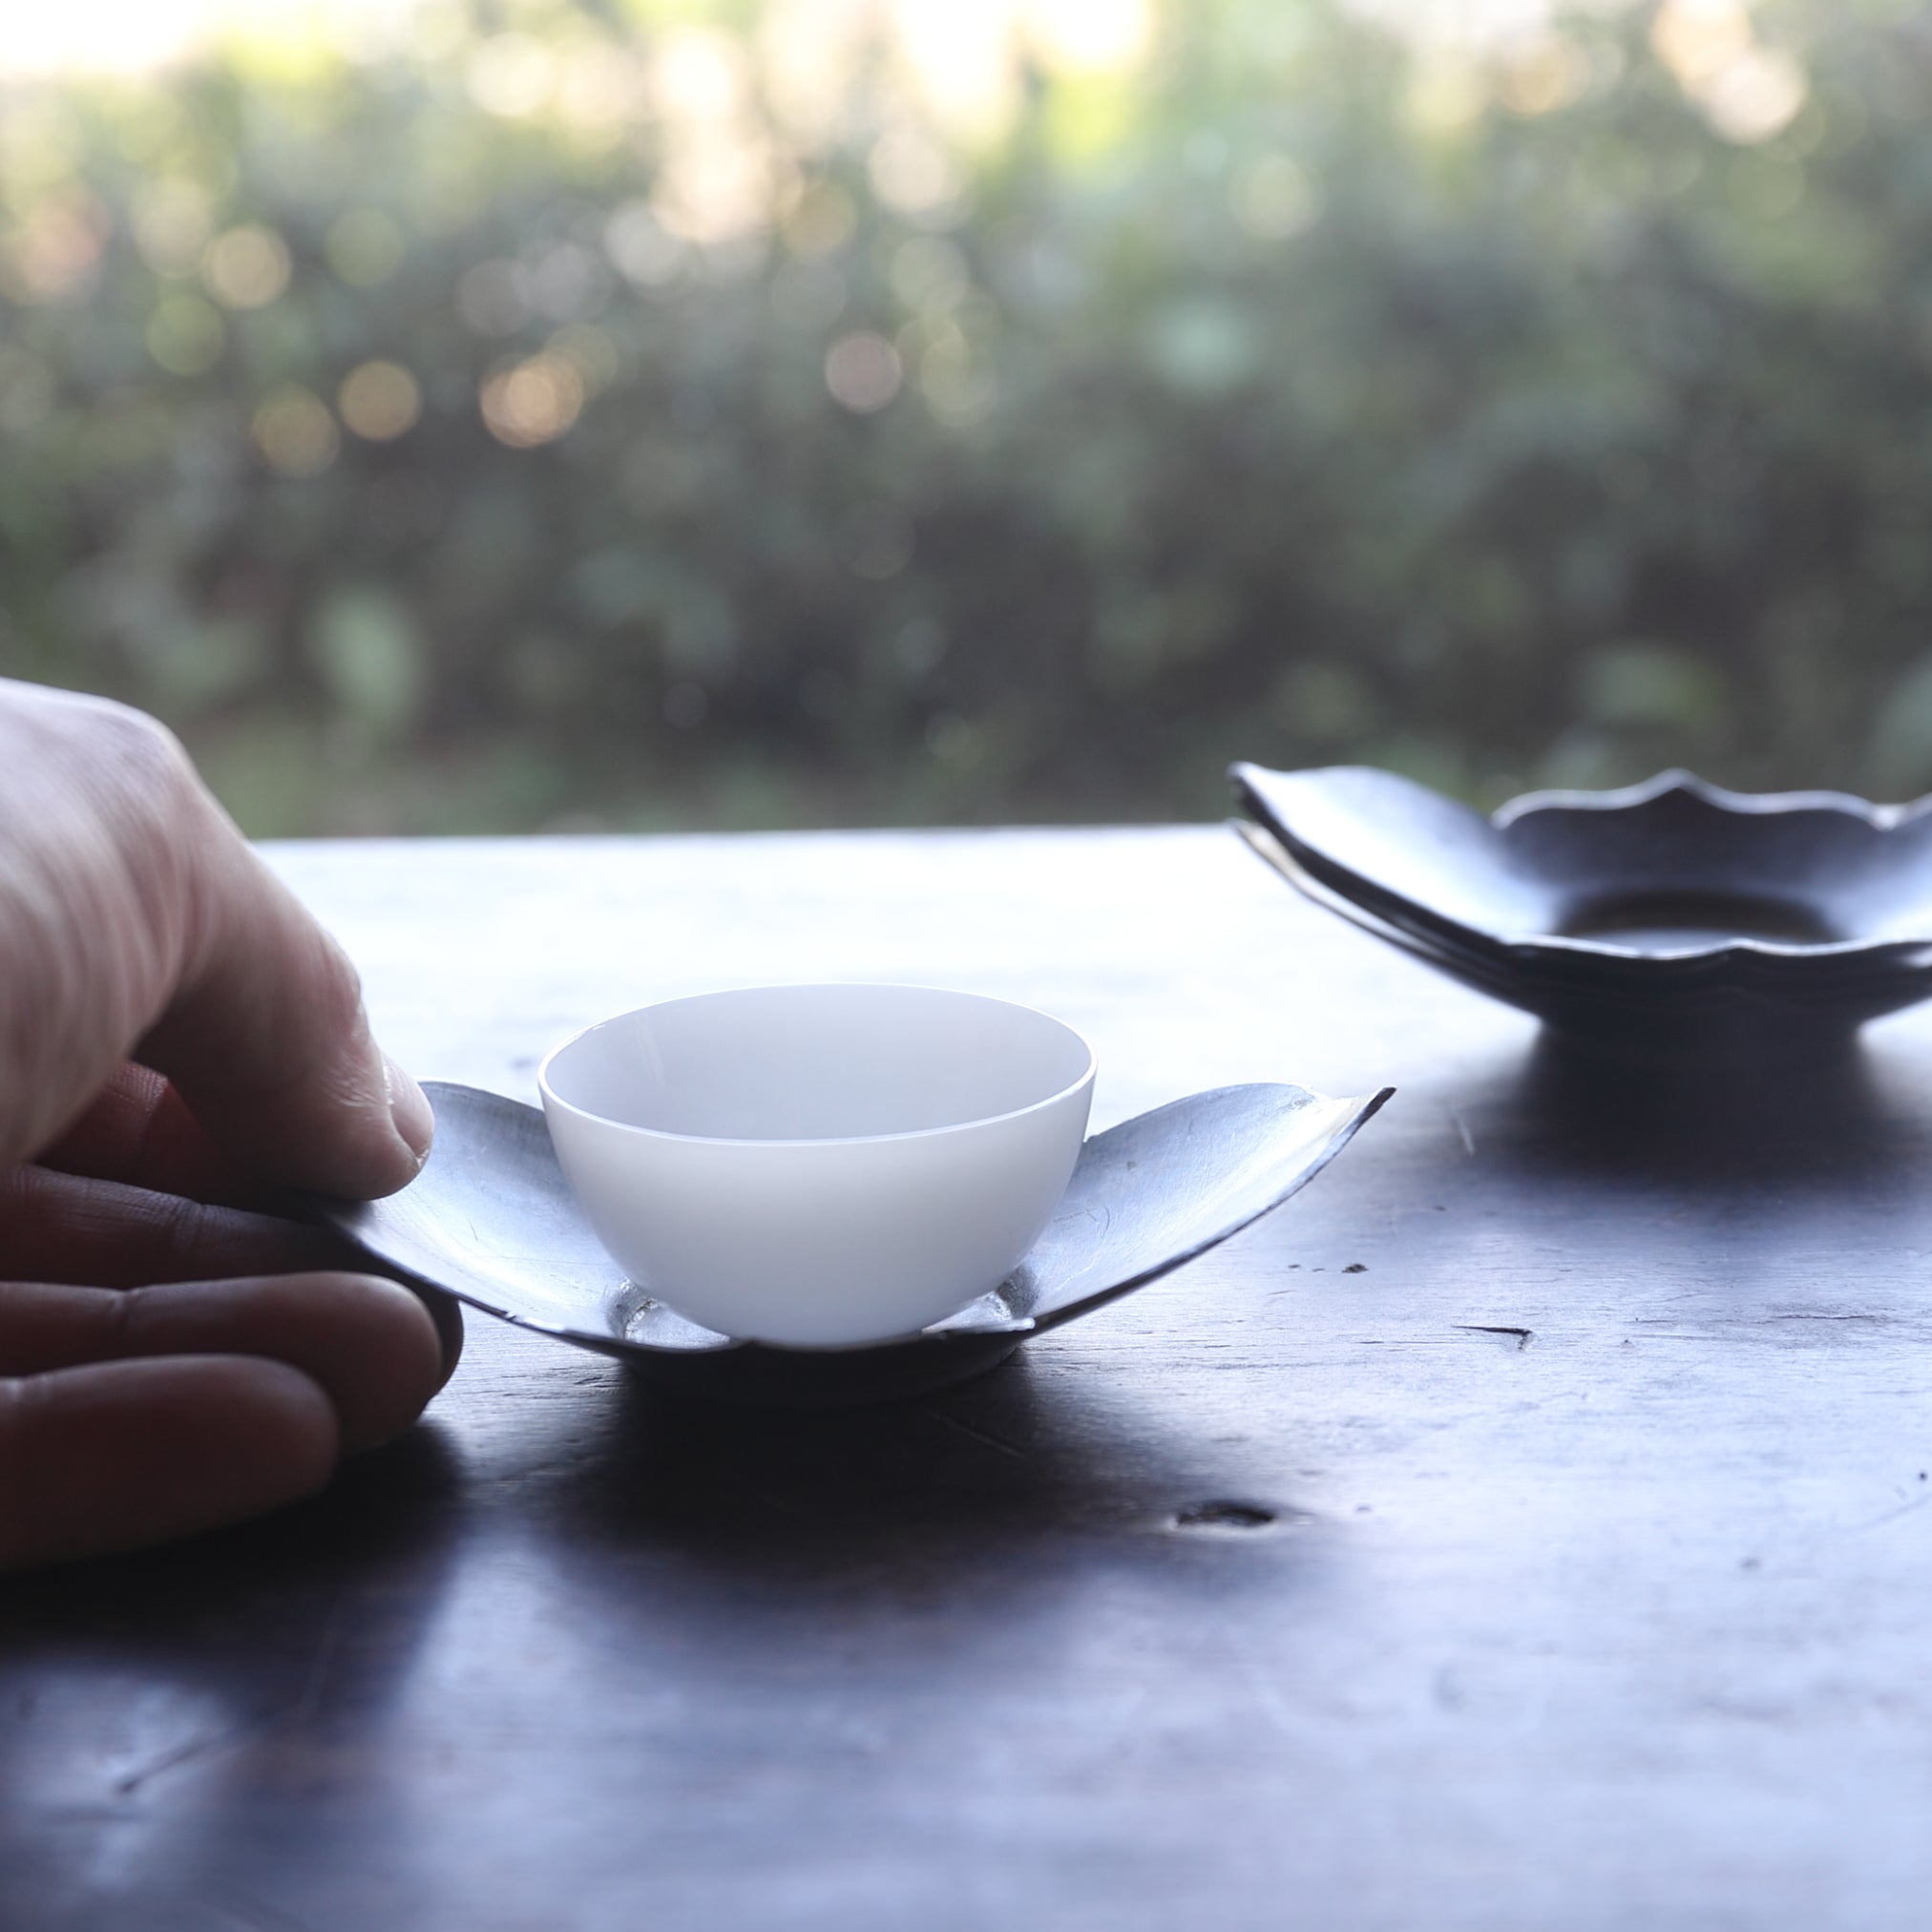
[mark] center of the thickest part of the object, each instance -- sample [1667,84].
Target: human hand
[177,1038]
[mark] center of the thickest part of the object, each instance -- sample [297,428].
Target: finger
[368,1344]
[139,1130]
[136,922]
[71,1228]
[268,1041]
[119,1455]
[446,1312]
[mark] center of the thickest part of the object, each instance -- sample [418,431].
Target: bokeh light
[295,433]
[380,401]
[863,371]
[246,266]
[533,401]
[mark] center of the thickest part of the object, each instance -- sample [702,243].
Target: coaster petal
[492,1221]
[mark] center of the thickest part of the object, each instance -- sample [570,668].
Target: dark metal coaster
[492,1221]
[1672,913]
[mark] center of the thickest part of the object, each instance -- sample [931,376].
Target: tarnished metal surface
[490,1219]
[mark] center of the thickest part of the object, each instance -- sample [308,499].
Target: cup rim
[552,1098]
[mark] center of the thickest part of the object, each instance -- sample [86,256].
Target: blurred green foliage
[551,426]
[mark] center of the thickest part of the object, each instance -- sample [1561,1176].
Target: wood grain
[1529,1525]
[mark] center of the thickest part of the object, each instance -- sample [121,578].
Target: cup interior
[817,1063]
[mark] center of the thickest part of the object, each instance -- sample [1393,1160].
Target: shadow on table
[330,1703]
[1814,1119]
[615,1576]
[230,1633]
[202,1667]
[1025,1472]
[386,1511]
[1026,1475]
[201,1673]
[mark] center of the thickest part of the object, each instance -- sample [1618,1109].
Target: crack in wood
[1523,1336]
[194,1747]
[981,1436]
[299,1708]
[1911,1509]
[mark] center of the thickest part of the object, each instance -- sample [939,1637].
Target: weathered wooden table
[1527,1526]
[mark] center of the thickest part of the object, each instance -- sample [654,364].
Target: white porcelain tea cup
[820,1166]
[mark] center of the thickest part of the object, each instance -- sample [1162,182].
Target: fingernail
[410,1109]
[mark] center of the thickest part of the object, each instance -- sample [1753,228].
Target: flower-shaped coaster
[492,1221]
[1670,908]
